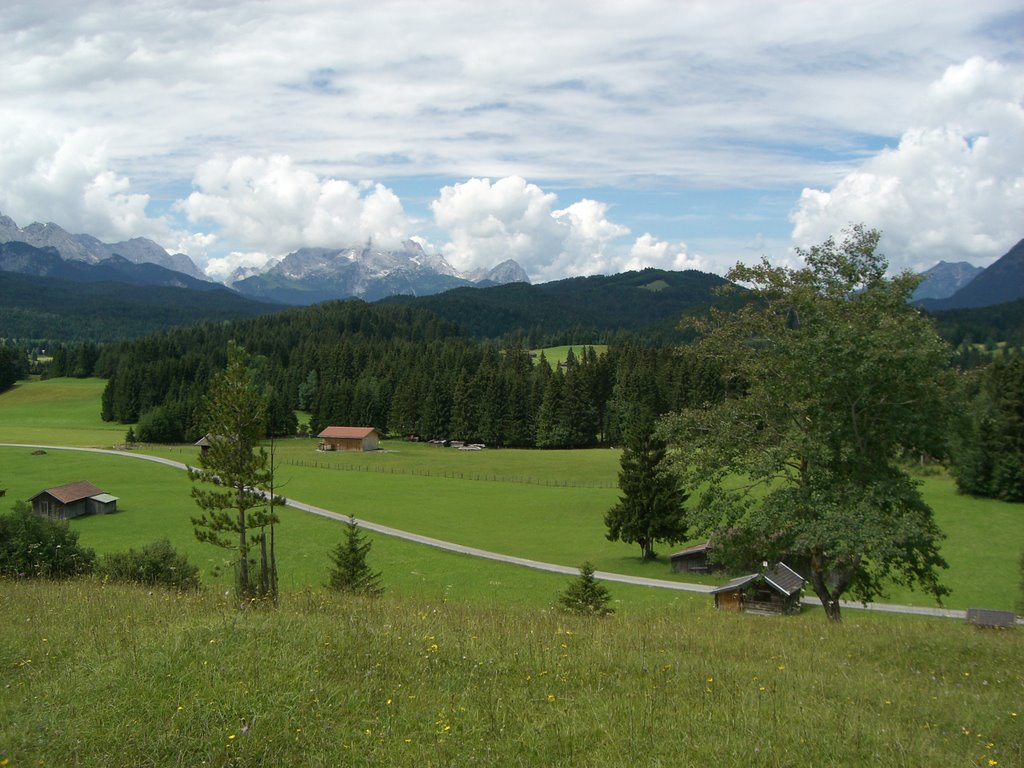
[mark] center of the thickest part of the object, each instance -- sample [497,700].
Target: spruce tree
[586,595]
[236,511]
[350,571]
[651,506]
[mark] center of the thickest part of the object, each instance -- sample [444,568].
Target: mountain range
[1000,282]
[312,275]
[945,279]
[91,250]
[485,303]
[306,276]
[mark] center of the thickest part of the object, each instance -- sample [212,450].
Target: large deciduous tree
[238,508]
[831,379]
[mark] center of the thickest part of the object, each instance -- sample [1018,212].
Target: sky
[575,137]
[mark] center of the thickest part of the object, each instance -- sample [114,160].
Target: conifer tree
[651,506]
[350,571]
[586,595]
[237,506]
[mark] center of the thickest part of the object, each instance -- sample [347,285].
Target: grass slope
[544,505]
[109,675]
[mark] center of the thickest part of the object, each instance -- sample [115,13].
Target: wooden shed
[349,439]
[72,500]
[694,560]
[775,591]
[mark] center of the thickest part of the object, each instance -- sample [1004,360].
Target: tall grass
[111,675]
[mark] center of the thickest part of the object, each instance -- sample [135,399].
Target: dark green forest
[42,312]
[649,302]
[405,372]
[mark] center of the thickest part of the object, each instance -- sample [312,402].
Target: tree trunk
[829,600]
[647,549]
[264,566]
[243,549]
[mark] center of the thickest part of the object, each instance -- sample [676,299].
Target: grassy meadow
[109,675]
[543,505]
[464,661]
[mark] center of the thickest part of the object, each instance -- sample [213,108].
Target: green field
[556,355]
[543,505]
[464,661]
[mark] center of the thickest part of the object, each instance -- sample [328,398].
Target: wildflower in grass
[551,698]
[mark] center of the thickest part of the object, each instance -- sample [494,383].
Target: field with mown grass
[544,505]
[464,661]
[108,675]
[556,355]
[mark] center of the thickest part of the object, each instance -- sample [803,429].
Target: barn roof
[737,583]
[781,577]
[696,549]
[72,492]
[784,579]
[351,433]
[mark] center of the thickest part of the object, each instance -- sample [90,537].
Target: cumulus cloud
[952,189]
[648,251]
[269,205]
[510,218]
[66,178]
[488,223]
[237,265]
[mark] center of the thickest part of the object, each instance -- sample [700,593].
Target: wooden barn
[74,499]
[349,439]
[776,591]
[694,560]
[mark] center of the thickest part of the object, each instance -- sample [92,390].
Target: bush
[162,424]
[586,595]
[34,546]
[157,565]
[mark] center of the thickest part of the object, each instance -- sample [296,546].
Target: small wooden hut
[349,439]
[72,500]
[775,591]
[693,560]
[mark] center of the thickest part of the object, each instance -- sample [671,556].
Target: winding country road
[510,559]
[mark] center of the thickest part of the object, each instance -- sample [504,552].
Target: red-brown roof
[351,433]
[72,492]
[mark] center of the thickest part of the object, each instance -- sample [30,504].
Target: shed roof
[352,433]
[785,579]
[696,549]
[737,583]
[781,577]
[72,492]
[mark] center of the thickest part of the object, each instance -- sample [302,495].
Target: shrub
[157,565]
[586,595]
[34,546]
[162,424]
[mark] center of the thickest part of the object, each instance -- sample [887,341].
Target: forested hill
[982,325]
[402,370]
[35,309]
[650,301]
